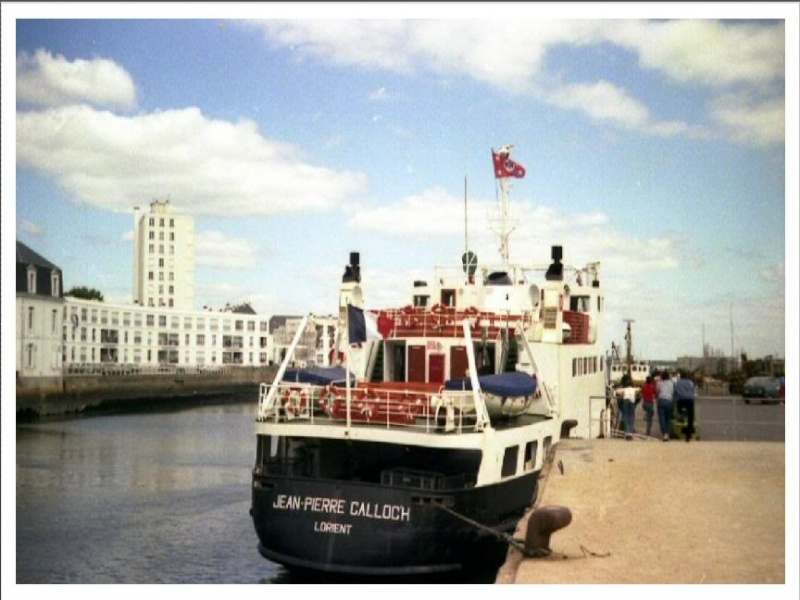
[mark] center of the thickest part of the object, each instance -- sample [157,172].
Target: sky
[654,143]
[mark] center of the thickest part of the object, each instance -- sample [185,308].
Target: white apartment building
[163,258]
[100,334]
[39,309]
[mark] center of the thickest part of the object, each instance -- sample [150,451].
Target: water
[144,498]
[160,498]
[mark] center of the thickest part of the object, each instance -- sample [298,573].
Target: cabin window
[449,298]
[421,301]
[531,448]
[579,304]
[510,461]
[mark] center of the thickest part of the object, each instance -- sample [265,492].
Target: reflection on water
[156,498]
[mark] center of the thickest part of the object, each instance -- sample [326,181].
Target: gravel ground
[655,512]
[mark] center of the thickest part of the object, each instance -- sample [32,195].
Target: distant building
[97,333]
[59,335]
[39,314]
[314,346]
[163,258]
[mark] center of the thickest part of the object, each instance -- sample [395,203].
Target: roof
[28,257]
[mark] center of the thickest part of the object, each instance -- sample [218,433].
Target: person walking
[628,406]
[685,394]
[649,392]
[665,390]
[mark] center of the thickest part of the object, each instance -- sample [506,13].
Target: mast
[505,231]
[504,168]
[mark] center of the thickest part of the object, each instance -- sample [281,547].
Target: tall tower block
[163,257]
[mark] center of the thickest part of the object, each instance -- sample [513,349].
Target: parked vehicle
[763,387]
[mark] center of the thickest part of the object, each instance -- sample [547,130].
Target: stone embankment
[131,389]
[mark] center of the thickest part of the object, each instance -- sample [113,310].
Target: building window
[161,263]
[172,222]
[162,320]
[30,354]
[160,236]
[31,279]
[151,248]
[152,235]
[55,284]
[30,317]
[161,222]
[151,320]
[171,236]
[55,320]
[201,339]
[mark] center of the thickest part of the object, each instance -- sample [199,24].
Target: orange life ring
[294,401]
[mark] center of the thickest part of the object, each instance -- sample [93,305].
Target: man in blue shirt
[685,394]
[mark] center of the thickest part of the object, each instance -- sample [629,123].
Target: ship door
[416,363]
[398,364]
[459,363]
[436,368]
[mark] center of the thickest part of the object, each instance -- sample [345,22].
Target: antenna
[466,228]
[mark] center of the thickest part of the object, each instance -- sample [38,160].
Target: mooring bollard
[542,523]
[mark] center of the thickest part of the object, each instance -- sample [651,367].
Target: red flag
[505,167]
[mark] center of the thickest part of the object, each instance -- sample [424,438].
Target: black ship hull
[368,529]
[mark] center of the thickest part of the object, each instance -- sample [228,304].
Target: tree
[85,293]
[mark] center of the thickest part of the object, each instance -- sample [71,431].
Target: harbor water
[139,498]
[155,498]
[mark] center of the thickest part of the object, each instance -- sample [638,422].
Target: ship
[421,446]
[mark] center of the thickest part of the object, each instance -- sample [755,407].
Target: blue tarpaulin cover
[503,384]
[316,375]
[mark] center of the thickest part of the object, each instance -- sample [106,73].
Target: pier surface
[647,512]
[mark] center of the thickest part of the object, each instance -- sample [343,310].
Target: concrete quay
[653,512]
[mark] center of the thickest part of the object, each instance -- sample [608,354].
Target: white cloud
[29,227]
[204,166]
[762,122]
[435,214]
[707,52]
[776,273]
[602,101]
[378,95]
[511,55]
[48,80]
[215,249]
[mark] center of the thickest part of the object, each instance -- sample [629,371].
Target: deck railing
[369,405]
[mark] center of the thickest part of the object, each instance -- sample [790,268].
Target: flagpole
[347,362]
